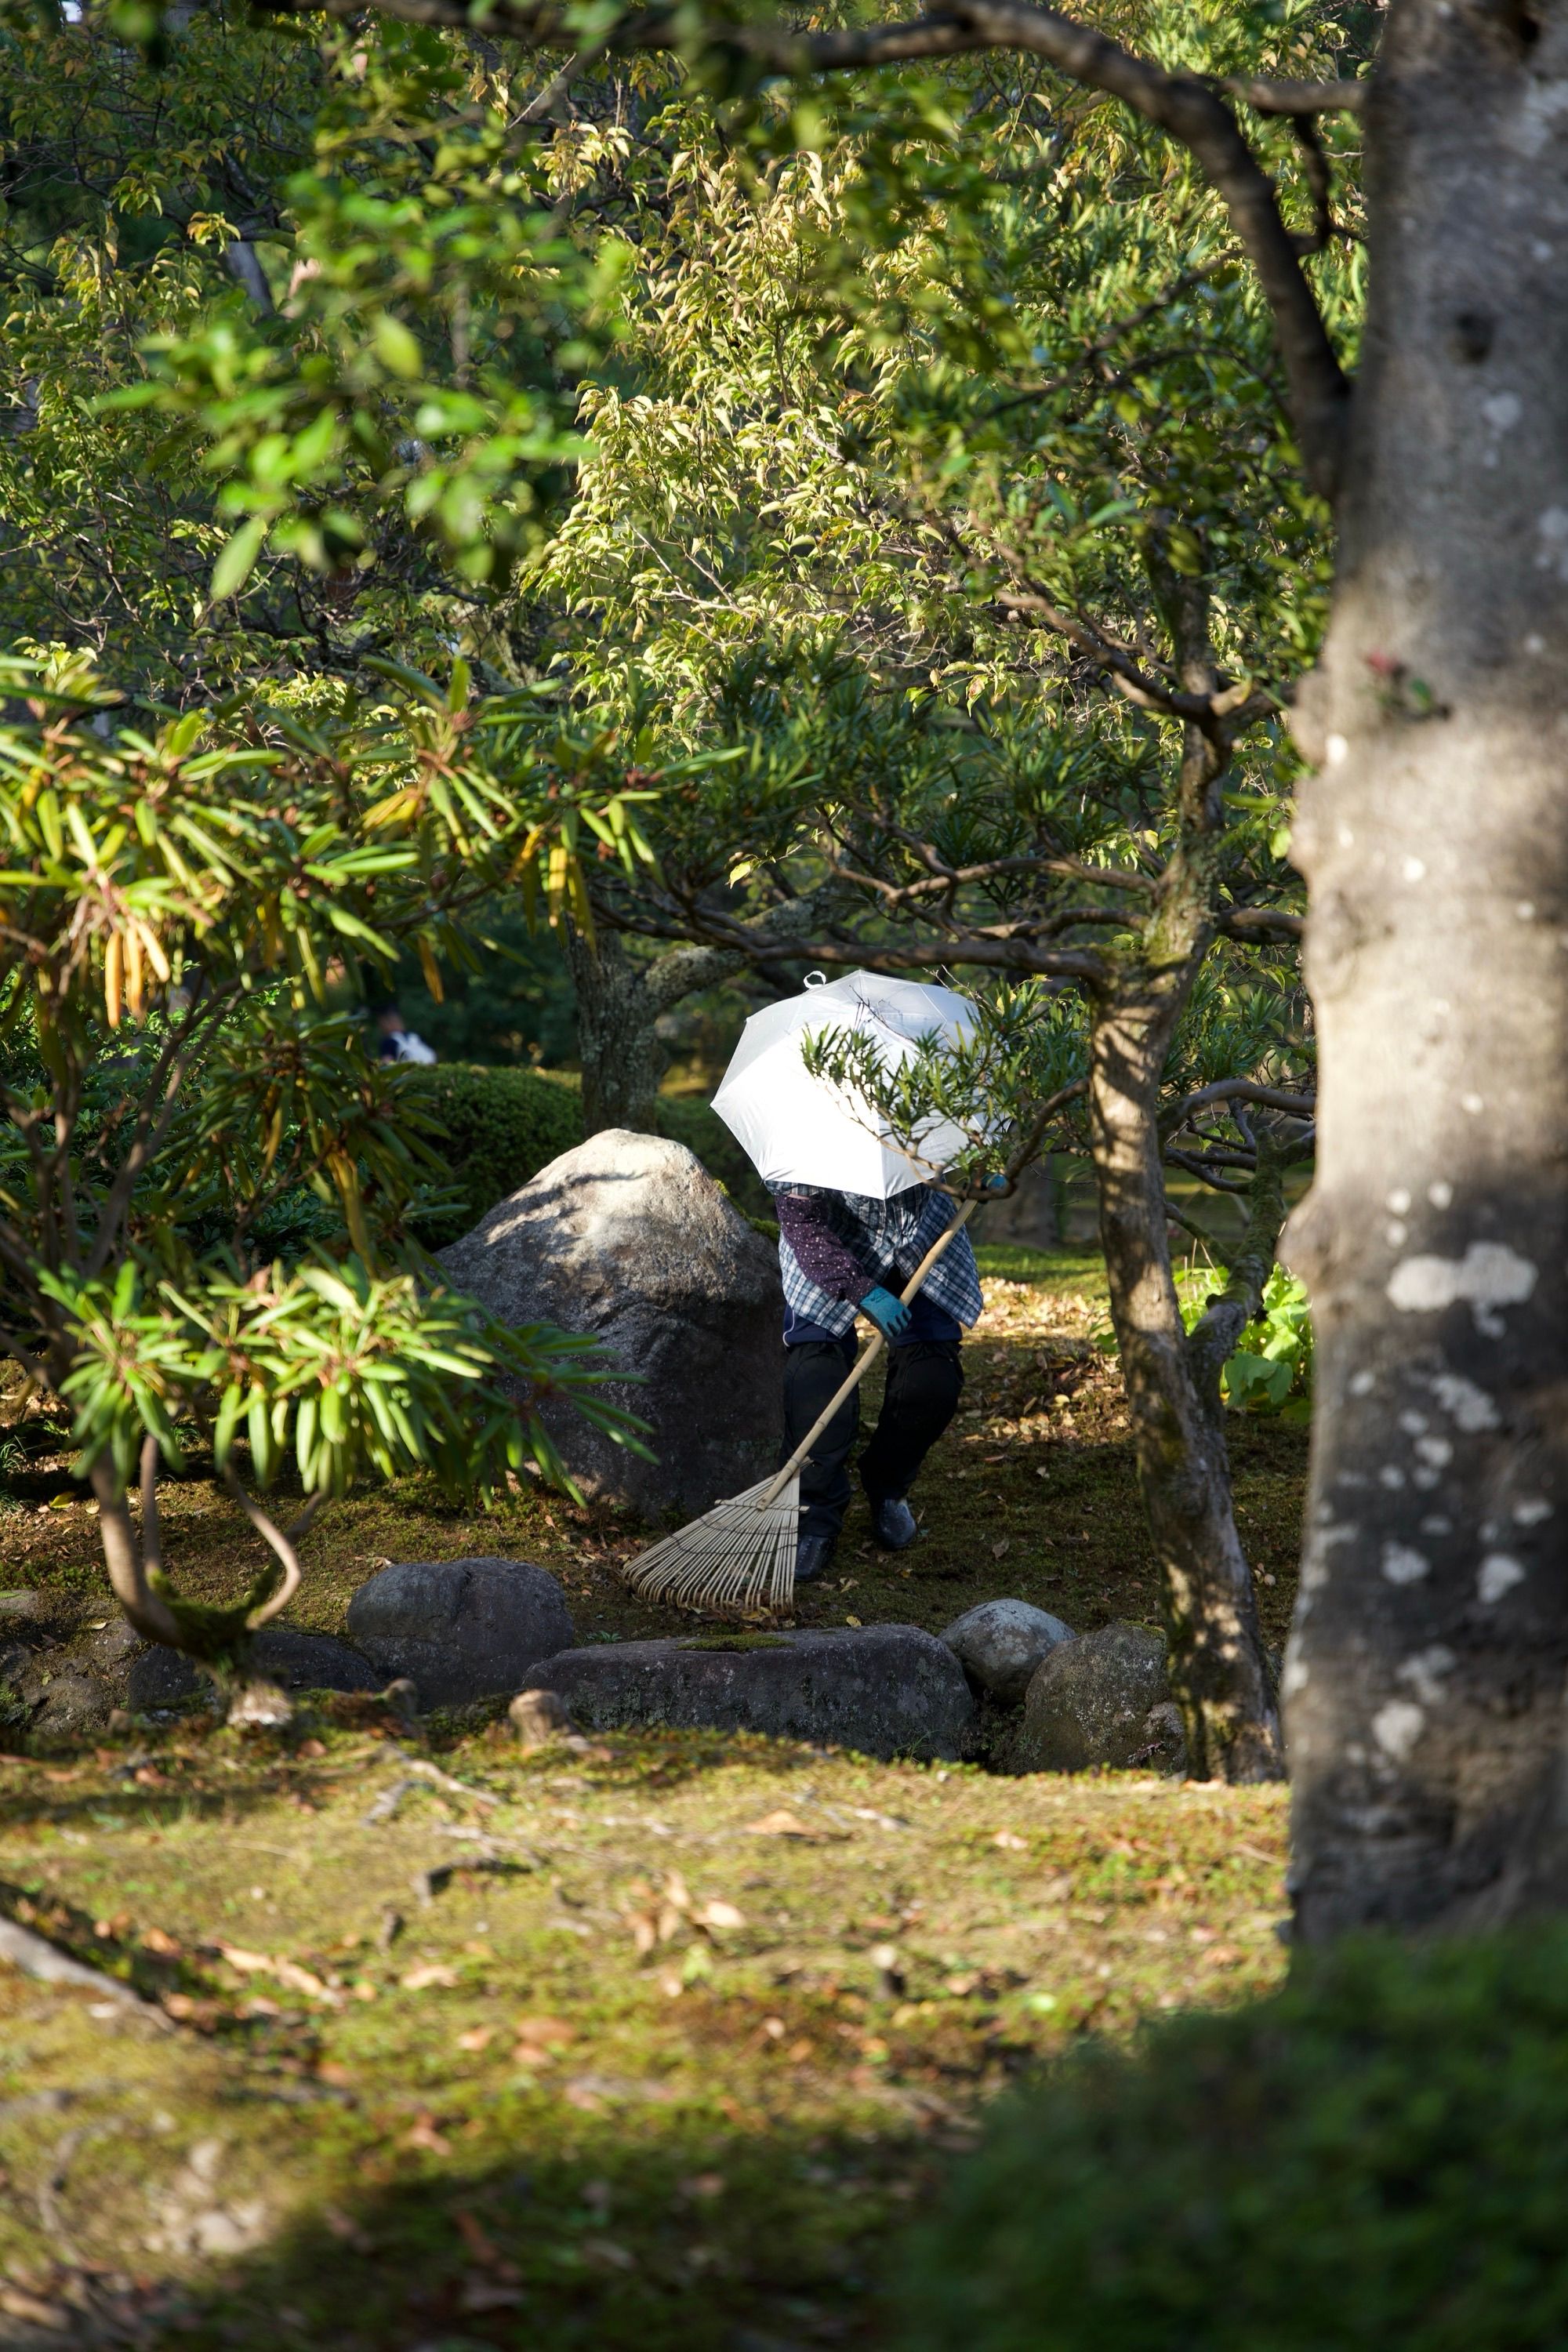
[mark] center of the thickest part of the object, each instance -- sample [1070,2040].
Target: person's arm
[823,1258]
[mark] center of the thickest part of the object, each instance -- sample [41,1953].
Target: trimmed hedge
[1376,2159]
[503,1125]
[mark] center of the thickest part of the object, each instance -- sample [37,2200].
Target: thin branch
[1297,98]
[152,1548]
[273,1536]
[1224,1090]
[1245,922]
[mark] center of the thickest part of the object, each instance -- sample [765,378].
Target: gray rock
[113,1645]
[22,1608]
[885,1690]
[627,1239]
[73,1706]
[460,1629]
[162,1677]
[1089,1702]
[1000,1644]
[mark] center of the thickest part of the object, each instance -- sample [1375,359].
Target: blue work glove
[996,1184]
[889,1315]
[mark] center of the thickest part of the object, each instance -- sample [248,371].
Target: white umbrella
[799,1130]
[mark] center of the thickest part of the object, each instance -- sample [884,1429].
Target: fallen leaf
[479,2038]
[1000,1546]
[425,2135]
[477,2242]
[154,1939]
[702,2184]
[311,1747]
[718,1915]
[799,2052]
[605,2250]
[433,1972]
[1013,1844]
[853,1621]
[488,2294]
[779,1824]
[286,1972]
[545,2030]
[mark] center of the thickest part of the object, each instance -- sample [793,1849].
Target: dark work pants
[925,1380]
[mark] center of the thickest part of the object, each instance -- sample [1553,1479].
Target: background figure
[842,1253]
[399,1043]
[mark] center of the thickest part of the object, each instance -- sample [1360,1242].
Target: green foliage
[1272,1371]
[1372,2159]
[174,1088]
[497,1128]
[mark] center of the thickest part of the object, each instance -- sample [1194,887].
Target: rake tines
[740,1555]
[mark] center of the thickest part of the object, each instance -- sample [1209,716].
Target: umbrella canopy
[799,1130]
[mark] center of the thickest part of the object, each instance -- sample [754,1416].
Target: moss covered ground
[662,2042]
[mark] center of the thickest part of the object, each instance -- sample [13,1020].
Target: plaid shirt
[887,1240]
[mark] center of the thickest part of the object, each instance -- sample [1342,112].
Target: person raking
[843,1255]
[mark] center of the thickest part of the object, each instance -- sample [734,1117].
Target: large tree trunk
[1426,1677]
[621,1000]
[1219,1675]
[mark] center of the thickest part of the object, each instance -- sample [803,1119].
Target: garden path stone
[163,1677]
[1090,1703]
[73,1706]
[460,1629]
[628,1240]
[1000,1644]
[883,1690]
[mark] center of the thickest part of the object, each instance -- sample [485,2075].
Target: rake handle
[863,1362]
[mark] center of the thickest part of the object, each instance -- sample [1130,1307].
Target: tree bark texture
[1219,1674]
[1426,1677]
[620,1001]
[618,1041]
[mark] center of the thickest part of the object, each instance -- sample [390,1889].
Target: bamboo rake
[740,1555]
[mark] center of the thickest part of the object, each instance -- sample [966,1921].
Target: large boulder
[1000,1644]
[460,1629]
[884,1690]
[629,1240]
[1102,1699]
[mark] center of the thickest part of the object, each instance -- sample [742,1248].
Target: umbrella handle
[863,1364]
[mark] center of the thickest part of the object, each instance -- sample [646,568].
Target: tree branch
[273,1536]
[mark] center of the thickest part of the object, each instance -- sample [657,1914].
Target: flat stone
[1000,1644]
[112,1646]
[460,1629]
[1089,1702]
[73,1706]
[22,1608]
[883,1690]
[629,1241]
[164,1678]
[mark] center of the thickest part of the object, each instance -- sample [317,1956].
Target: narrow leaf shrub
[1374,2159]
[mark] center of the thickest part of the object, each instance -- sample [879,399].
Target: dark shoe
[893,1523]
[811,1558]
